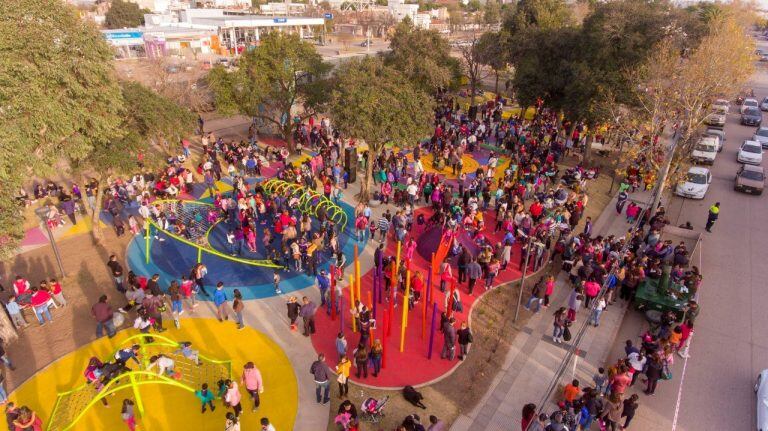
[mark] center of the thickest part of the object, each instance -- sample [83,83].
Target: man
[128,353]
[474,271]
[383,228]
[102,312]
[117,272]
[323,284]
[714,213]
[321,374]
[464,258]
[307,314]
[588,227]
[220,301]
[378,257]
[153,285]
[449,340]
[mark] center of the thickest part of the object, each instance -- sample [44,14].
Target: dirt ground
[87,279]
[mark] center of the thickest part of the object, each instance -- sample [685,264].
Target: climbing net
[71,406]
[309,201]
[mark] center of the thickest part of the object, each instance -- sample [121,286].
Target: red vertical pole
[333,293]
[384,331]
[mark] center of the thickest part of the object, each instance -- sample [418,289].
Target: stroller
[372,410]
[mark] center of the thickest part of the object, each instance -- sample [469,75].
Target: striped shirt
[383,224]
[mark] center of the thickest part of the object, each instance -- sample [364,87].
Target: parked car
[748,103]
[750,179]
[764,104]
[717,117]
[752,117]
[695,184]
[719,134]
[761,390]
[750,152]
[366,43]
[761,136]
[705,150]
[721,104]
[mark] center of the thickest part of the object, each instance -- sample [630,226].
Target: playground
[59,393]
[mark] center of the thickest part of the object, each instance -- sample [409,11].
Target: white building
[283,8]
[399,9]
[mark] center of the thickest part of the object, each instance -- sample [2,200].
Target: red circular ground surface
[411,367]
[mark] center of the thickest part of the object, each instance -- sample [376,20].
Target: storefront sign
[280,20]
[124,38]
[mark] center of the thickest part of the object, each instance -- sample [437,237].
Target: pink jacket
[252,379]
[232,397]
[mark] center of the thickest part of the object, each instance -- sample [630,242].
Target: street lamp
[525,271]
[42,213]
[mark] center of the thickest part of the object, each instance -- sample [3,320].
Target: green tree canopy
[542,14]
[59,95]
[124,14]
[491,50]
[423,56]
[280,73]
[379,105]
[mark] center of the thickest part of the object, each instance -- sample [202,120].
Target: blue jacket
[323,282]
[219,297]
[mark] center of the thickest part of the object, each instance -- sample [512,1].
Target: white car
[717,117]
[705,150]
[761,390]
[750,152]
[695,184]
[761,136]
[748,103]
[719,134]
[764,104]
[722,104]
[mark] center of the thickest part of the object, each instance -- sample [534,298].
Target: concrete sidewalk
[533,358]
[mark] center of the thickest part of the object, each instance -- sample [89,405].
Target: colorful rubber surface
[411,367]
[169,408]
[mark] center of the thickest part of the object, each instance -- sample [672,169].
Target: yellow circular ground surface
[470,165]
[167,407]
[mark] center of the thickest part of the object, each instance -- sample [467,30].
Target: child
[600,379]
[15,311]
[276,281]
[165,365]
[206,397]
[187,352]
[266,426]
[127,414]
[187,290]
[574,307]
[58,295]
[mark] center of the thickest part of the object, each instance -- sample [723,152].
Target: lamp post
[522,280]
[42,213]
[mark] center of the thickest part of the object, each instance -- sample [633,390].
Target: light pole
[42,213]
[522,280]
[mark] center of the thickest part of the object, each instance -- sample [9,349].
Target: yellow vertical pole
[358,286]
[199,254]
[146,238]
[405,310]
[352,300]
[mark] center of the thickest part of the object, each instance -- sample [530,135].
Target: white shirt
[163,363]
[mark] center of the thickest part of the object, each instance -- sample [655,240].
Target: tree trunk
[365,183]
[288,137]
[496,84]
[95,221]
[7,330]
[472,87]
[587,149]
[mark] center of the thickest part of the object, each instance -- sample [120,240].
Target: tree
[273,78]
[541,14]
[60,100]
[423,56]
[471,66]
[124,14]
[491,13]
[491,50]
[151,124]
[380,105]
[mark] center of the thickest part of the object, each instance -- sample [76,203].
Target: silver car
[764,104]
[719,134]
[761,136]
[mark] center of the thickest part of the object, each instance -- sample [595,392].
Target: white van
[705,150]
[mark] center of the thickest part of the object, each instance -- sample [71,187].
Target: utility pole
[665,171]
[522,280]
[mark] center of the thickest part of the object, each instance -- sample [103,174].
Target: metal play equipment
[72,405]
[195,217]
[309,200]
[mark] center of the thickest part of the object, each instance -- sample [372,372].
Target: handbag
[566,334]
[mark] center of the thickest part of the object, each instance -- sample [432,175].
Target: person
[15,312]
[57,293]
[342,369]
[206,397]
[27,420]
[39,303]
[653,372]
[465,339]
[449,340]
[232,423]
[435,424]
[570,393]
[629,409]
[276,281]
[529,413]
[293,311]
[600,379]
[308,316]
[473,272]
[102,312]
[714,213]
[558,325]
[185,348]
[232,397]
[127,354]
[321,374]
[117,272]
[174,292]
[220,301]
[361,360]
[266,425]
[237,306]
[127,415]
[341,345]
[11,414]
[164,364]
[612,412]
[377,350]
[253,383]
[594,318]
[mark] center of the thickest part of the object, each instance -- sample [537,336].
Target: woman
[529,413]
[253,383]
[361,361]
[27,420]
[612,412]
[493,269]
[549,289]
[237,306]
[653,372]
[559,325]
[629,408]
[293,311]
[126,413]
[376,353]
[342,369]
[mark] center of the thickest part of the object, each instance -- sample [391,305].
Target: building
[283,8]
[399,9]
[127,42]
